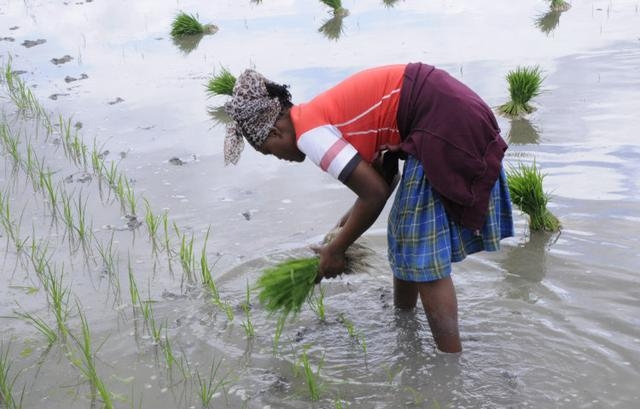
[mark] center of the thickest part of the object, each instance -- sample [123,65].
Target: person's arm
[386,164]
[373,192]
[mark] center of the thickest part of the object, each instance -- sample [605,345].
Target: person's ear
[274,131]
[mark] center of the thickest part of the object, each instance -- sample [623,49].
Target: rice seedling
[10,144]
[39,324]
[527,193]
[186,255]
[130,197]
[351,329]
[155,329]
[205,271]
[247,324]
[47,185]
[167,350]
[336,7]
[134,293]
[39,256]
[97,160]
[311,377]
[209,386]
[221,83]
[524,84]
[111,174]
[153,223]
[87,363]
[559,5]
[58,299]
[67,215]
[187,25]
[317,303]
[280,323]
[11,225]
[286,286]
[8,399]
[81,211]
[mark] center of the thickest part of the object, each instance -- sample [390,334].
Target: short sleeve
[326,147]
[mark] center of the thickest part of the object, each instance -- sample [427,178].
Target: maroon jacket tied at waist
[456,137]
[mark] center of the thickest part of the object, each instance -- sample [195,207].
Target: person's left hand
[332,263]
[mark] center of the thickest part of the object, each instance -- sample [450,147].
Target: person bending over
[452,198]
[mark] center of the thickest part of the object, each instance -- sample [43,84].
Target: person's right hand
[332,263]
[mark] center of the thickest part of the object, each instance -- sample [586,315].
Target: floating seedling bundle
[285,287]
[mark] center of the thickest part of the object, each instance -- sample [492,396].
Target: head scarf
[253,113]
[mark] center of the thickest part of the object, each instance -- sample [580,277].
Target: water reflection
[219,115]
[333,28]
[527,266]
[186,44]
[548,22]
[522,132]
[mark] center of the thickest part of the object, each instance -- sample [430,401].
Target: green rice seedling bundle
[287,285]
[187,24]
[559,5]
[336,5]
[221,83]
[525,188]
[524,84]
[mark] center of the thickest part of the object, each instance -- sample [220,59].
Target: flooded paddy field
[128,247]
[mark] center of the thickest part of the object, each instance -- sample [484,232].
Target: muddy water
[550,321]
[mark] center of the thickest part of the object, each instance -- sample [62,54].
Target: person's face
[281,141]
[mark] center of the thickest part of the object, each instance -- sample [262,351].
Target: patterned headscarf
[253,113]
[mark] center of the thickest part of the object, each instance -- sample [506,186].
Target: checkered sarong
[423,242]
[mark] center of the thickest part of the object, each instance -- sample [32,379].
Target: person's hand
[332,263]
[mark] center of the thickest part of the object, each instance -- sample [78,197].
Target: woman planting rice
[452,199]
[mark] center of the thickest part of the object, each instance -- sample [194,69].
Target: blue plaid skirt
[423,242]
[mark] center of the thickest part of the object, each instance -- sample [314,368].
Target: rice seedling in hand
[221,83]
[187,24]
[285,287]
[524,84]
[526,190]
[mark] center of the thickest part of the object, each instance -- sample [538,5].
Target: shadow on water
[188,43]
[523,132]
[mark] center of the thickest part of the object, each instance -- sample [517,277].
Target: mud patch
[33,43]
[62,60]
[69,78]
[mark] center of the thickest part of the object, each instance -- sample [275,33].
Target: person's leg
[405,294]
[441,306]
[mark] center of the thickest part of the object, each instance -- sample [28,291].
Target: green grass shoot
[221,83]
[316,302]
[285,287]
[41,325]
[8,399]
[527,193]
[524,84]
[209,386]
[86,364]
[247,324]
[311,377]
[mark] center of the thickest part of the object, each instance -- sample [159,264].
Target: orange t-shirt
[351,120]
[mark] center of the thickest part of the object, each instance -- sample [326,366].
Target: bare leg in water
[440,305]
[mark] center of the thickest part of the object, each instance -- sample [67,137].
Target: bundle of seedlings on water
[336,6]
[187,24]
[221,83]
[527,193]
[524,84]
